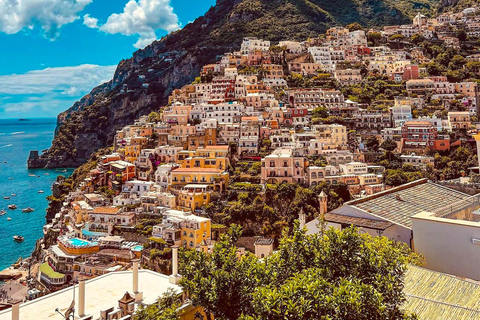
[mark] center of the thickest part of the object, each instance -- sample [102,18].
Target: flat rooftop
[100,293]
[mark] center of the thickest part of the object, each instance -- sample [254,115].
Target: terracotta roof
[399,204]
[358,222]
[412,123]
[106,210]
[127,298]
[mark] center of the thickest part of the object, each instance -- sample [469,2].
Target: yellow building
[216,178]
[210,157]
[194,196]
[134,147]
[183,228]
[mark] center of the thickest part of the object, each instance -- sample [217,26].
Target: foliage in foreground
[337,275]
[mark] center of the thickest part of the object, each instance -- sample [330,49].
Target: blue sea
[17,138]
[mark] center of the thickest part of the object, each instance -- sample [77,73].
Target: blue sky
[52,52]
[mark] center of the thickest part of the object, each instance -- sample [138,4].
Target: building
[102,219]
[419,135]
[283,166]
[459,120]
[251,44]
[348,77]
[390,213]
[313,98]
[263,247]
[418,162]
[183,229]
[116,295]
[449,237]
[420,86]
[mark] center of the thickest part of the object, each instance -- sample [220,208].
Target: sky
[52,52]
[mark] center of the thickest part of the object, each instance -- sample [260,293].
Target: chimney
[81,298]
[138,295]
[175,277]
[16,310]
[302,218]
[322,200]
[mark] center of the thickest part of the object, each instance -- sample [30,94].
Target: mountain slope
[177,59]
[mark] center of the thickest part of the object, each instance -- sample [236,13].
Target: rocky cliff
[142,83]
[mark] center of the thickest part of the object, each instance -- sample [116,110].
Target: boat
[46,173]
[11,178]
[29,209]
[2,212]
[40,191]
[18,238]
[31,175]
[13,194]
[12,207]
[8,219]
[6,198]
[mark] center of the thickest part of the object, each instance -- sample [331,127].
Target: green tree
[354,26]
[372,143]
[338,275]
[388,145]
[166,308]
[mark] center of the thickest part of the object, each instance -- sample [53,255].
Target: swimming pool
[80,243]
[137,248]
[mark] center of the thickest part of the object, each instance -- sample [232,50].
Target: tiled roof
[105,210]
[435,295]
[399,204]
[358,222]
[264,241]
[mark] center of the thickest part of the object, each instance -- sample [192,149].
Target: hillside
[177,59]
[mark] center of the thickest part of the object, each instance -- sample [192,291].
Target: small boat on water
[46,173]
[13,194]
[2,212]
[6,198]
[8,219]
[29,209]
[18,238]
[41,191]
[12,207]
[11,178]
[31,175]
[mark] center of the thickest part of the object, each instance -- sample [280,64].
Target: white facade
[252,44]
[450,246]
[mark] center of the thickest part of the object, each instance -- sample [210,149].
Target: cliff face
[143,83]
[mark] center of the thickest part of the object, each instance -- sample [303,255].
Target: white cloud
[49,91]
[50,15]
[90,22]
[82,77]
[142,17]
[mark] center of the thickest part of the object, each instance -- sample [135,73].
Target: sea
[17,138]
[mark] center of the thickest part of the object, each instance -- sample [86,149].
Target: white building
[251,44]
